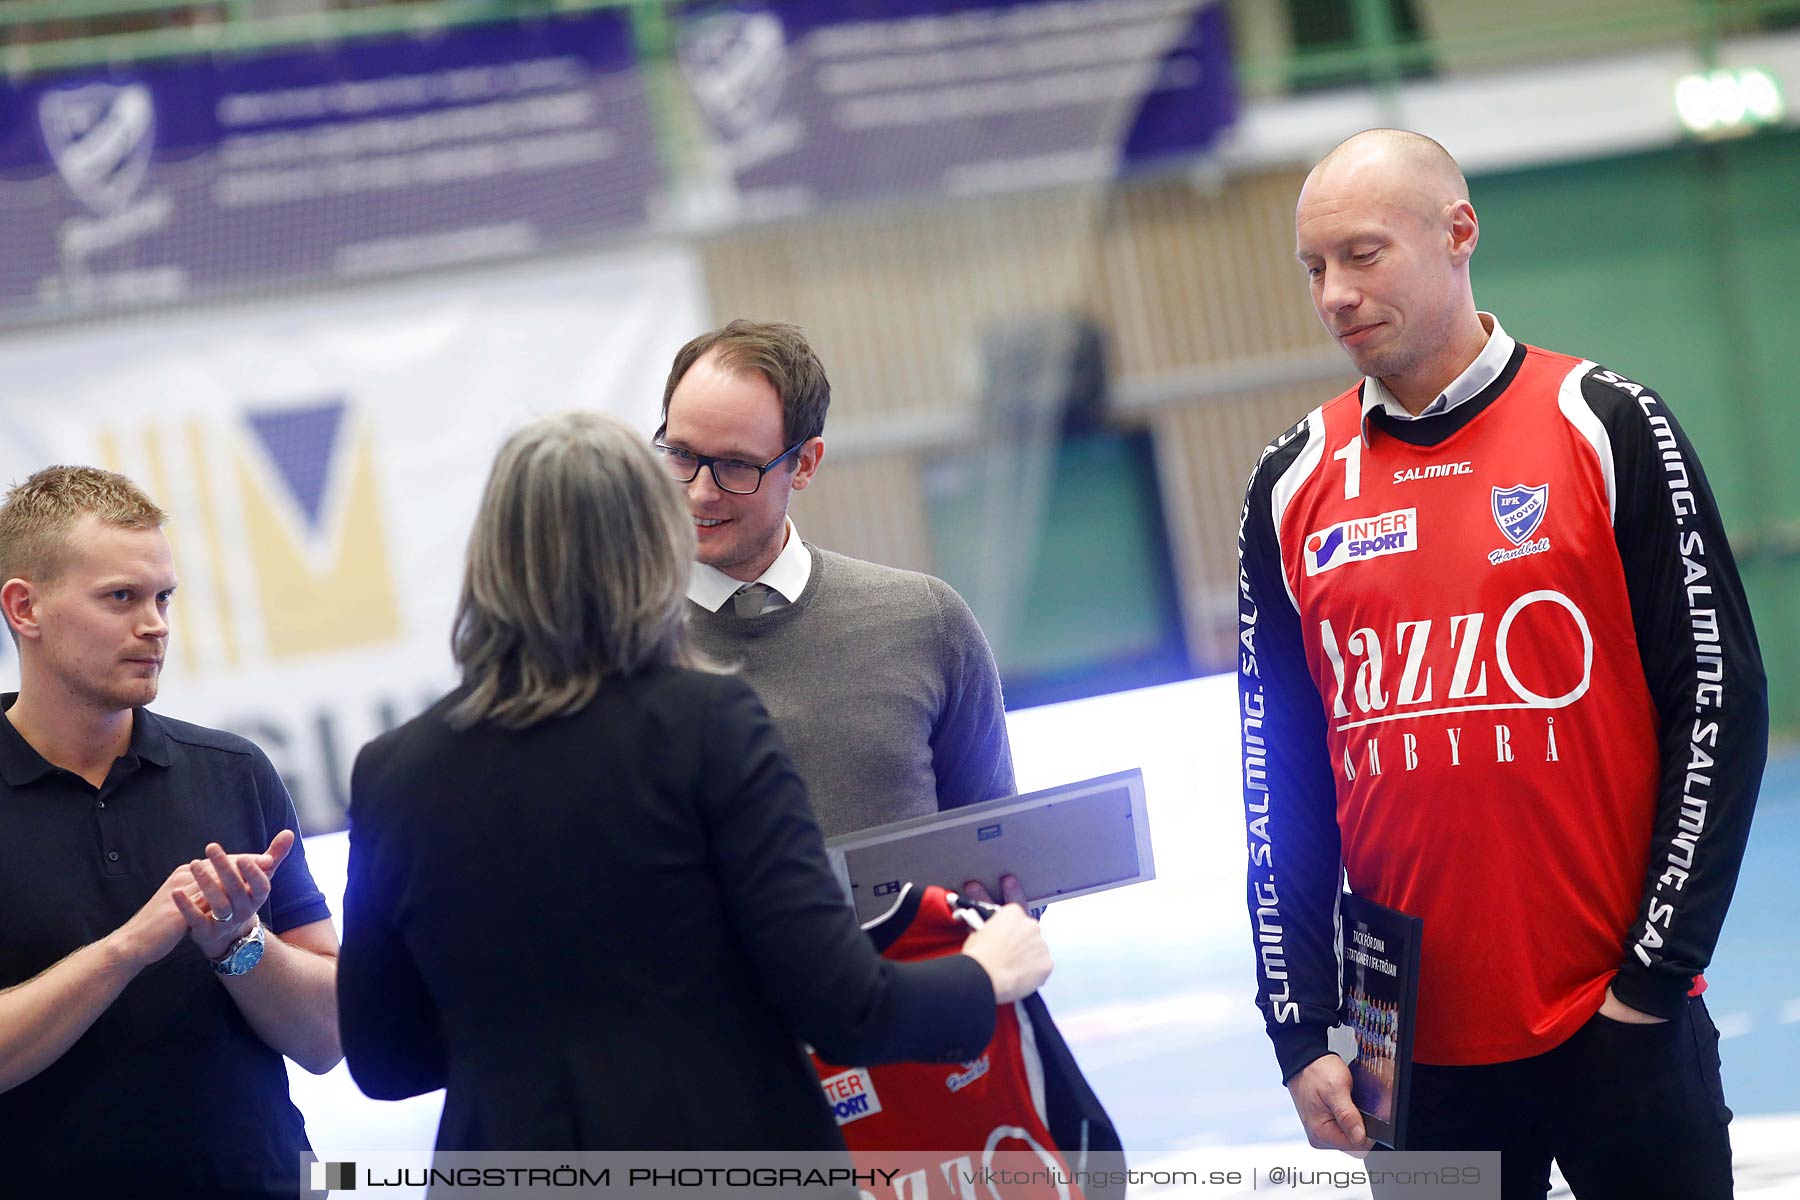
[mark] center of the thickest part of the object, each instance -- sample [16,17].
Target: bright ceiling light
[1728,101]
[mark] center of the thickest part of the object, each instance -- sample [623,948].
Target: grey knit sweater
[882,686]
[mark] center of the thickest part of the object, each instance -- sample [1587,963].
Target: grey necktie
[748,601]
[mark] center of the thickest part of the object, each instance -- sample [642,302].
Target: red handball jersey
[1022,1098]
[1492,663]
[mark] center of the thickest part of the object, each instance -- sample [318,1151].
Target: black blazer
[612,930]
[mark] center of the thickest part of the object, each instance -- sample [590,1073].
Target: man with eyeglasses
[879,680]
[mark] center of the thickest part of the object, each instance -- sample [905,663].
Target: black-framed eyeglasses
[731,474]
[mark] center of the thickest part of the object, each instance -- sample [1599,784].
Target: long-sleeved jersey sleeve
[1705,677]
[1295,869]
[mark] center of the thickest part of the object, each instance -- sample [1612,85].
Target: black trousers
[1630,1112]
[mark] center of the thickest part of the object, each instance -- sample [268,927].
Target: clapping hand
[232,888]
[156,928]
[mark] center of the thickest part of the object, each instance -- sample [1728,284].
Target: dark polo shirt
[170,1091]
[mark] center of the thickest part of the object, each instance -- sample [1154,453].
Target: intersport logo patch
[1395,532]
[851,1096]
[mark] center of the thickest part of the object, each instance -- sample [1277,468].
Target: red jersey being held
[1022,1099]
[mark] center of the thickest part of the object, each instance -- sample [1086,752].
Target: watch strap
[242,955]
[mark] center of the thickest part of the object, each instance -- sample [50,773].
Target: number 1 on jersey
[1351,454]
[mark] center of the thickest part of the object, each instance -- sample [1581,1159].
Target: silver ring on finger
[221,918]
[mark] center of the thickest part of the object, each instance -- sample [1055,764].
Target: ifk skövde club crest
[1520,510]
[736,66]
[99,136]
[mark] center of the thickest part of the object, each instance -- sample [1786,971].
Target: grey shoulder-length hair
[577,569]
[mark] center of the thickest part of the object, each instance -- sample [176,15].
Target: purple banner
[810,101]
[127,186]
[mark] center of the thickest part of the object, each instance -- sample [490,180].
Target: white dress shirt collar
[1465,387]
[710,587]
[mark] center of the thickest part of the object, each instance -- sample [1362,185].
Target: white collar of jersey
[1465,387]
[710,587]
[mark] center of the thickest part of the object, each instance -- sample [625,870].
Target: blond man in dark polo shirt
[152,981]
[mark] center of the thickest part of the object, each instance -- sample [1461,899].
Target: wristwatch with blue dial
[242,955]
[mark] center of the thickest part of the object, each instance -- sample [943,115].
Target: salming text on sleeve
[1705,674]
[1289,799]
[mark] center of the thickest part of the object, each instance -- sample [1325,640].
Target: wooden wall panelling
[870,507]
[1205,452]
[1188,280]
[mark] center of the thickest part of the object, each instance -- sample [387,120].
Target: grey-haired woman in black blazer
[586,893]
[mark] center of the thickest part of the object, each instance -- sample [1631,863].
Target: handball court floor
[1153,988]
